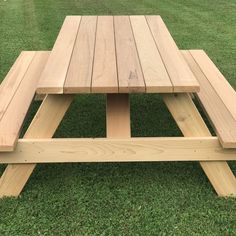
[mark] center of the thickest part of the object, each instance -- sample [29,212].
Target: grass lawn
[119,199]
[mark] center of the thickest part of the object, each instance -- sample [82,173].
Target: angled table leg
[44,125]
[191,124]
[118,116]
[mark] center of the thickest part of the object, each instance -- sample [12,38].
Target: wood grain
[79,74]
[54,75]
[155,74]
[191,124]
[104,79]
[118,150]
[13,79]
[130,74]
[217,80]
[120,54]
[44,125]
[221,118]
[118,116]
[14,116]
[181,76]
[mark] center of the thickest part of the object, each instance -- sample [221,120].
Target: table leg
[44,125]
[191,124]
[39,97]
[118,116]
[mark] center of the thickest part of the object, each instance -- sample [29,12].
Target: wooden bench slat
[14,116]
[54,74]
[130,76]
[13,79]
[104,79]
[79,74]
[181,76]
[217,80]
[155,74]
[215,108]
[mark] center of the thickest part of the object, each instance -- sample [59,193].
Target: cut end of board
[49,90]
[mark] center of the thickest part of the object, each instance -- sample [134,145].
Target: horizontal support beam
[117,150]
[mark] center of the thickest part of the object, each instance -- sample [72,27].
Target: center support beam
[191,124]
[118,116]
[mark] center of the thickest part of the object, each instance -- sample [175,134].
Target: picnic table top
[115,54]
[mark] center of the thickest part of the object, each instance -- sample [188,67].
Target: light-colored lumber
[155,74]
[13,79]
[186,115]
[217,80]
[118,150]
[220,116]
[79,74]
[191,124]
[49,116]
[181,76]
[115,54]
[104,79]
[54,75]
[12,120]
[130,74]
[39,97]
[44,125]
[118,116]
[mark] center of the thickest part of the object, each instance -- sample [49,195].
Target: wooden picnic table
[115,55]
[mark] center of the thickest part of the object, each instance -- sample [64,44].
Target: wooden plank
[44,125]
[222,120]
[155,74]
[39,97]
[181,76]
[118,150]
[14,116]
[79,74]
[54,74]
[118,116]
[217,80]
[191,124]
[186,114]
[13,79]
[104,79]
[130,76]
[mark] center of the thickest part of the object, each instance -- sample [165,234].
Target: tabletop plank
[155,74]
[180,74]
[104,79]
[54,74]
[79,74]
[130,75]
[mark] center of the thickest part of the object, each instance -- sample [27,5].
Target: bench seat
[16,94]
[216,95]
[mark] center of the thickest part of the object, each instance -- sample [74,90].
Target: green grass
[119,199]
